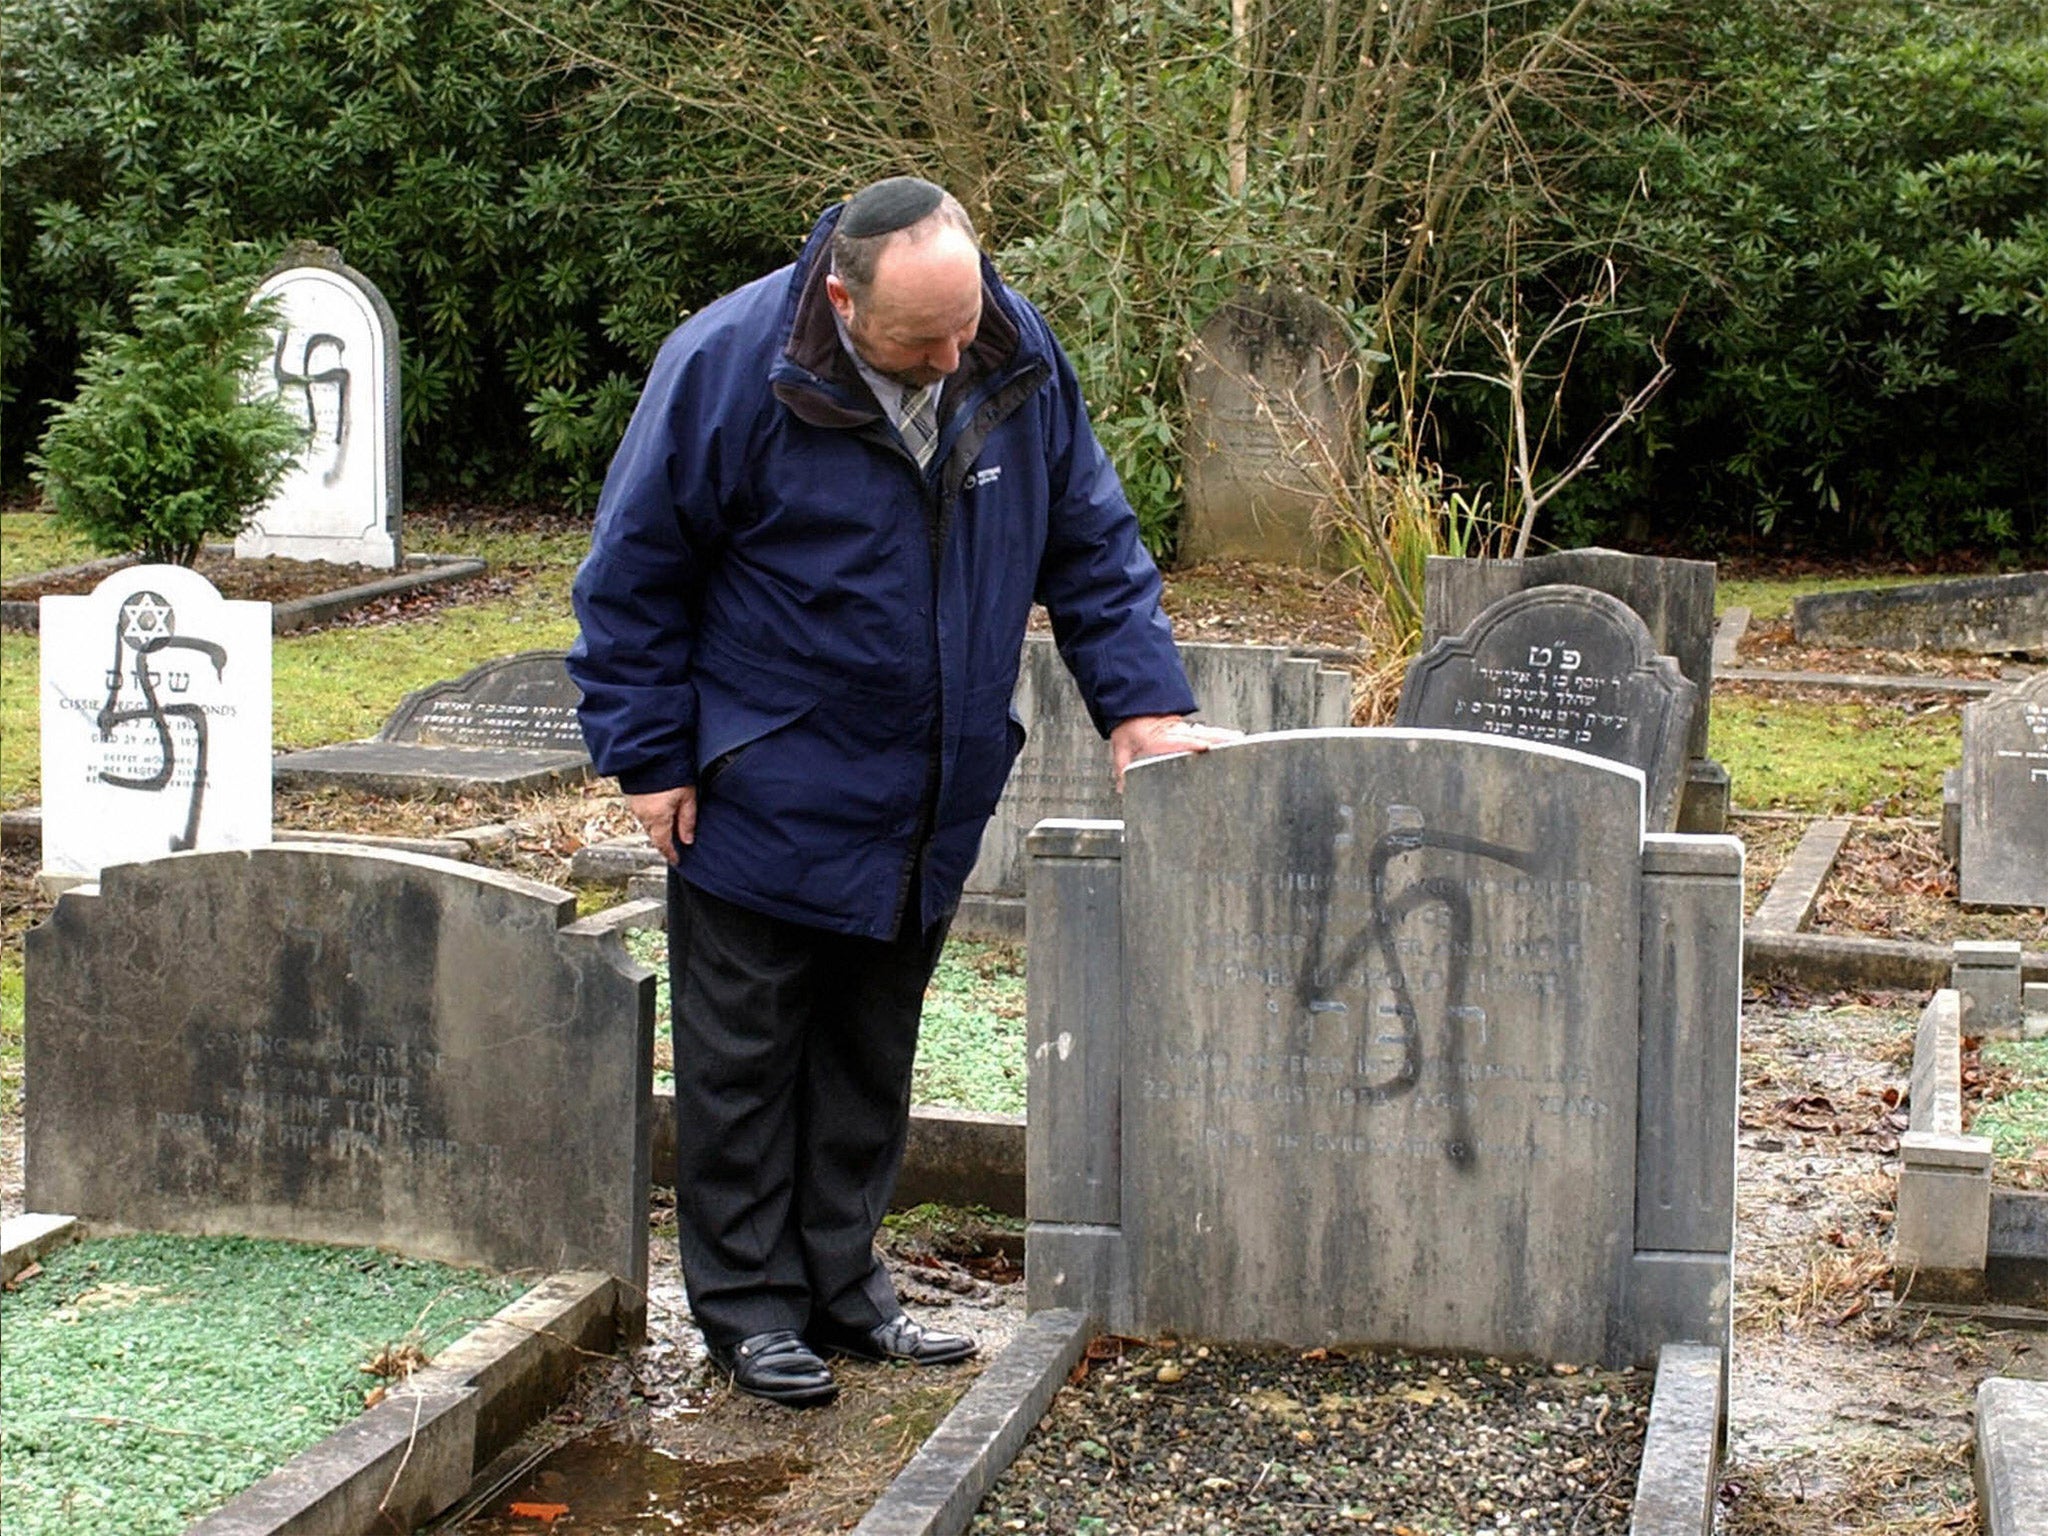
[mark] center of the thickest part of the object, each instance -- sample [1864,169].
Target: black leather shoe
[901,1338]
[780,1367]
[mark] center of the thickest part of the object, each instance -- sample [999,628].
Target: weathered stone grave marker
[508,725]
[340,1046]
[1675,598]
[1064,767]
[1566,665]
[155,720]
[1987,615]
[2004,795]
[1272,391]
[1386,1037]
[334,363]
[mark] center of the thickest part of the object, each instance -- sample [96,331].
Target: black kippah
[887,206]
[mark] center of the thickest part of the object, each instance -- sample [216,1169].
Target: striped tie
[919,423]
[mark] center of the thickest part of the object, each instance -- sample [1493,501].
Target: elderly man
[802,613]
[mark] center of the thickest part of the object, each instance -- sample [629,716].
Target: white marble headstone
[334,363]
[155,720]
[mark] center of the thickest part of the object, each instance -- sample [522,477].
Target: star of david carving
[144,617]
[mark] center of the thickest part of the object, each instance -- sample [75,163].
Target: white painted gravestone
[334,363]
[2005,797]
[1387,1037]
[155,721]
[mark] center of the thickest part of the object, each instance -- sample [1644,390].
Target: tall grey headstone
[337,1045]
[1675,598]
[1569,666]
[1273,393]
[1064,769]
[155,720]
[2005,797]
[1386,1037]
[334,363]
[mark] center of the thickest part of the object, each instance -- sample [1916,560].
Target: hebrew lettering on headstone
[155,720]
[1565,665]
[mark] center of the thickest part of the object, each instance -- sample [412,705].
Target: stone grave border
[22,615]
[1961,1241]
[2012,1456]
[938,1491]
[417,1452]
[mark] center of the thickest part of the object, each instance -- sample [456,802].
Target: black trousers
[793,1051]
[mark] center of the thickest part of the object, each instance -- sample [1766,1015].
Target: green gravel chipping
[146,1380]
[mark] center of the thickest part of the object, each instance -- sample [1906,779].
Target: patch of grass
[970,1054]
[11,1015]
[32,542]
[1839,757]
[2016,1120]
[21,769]
[149,1379]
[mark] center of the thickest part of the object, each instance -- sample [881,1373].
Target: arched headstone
[334,363]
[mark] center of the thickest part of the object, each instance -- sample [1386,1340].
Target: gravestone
[1984,615]
[155,720]
[1064,768]
[1386,1037]
[334,363]
[1273,395]
[342,1046]
[1569,666]
[508,725]
[1675,598]
[2004,797]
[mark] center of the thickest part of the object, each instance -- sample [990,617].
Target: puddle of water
[607,1485]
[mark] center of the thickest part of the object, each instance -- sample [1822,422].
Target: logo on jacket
[983,477]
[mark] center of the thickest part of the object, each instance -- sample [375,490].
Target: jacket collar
[814,377]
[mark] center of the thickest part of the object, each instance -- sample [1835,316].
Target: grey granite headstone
[1986,615]
[1386,1037]
[1065,766]
[508,725]
[334,364]
[1675,598]
[328,1044]
[1272,390]
[1565,665]
[2004,795]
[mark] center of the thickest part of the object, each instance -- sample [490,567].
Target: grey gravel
[1232,1441]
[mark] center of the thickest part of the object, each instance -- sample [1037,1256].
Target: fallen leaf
[548,1512]
[27,1273]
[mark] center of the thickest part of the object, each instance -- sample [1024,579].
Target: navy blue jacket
[780,608]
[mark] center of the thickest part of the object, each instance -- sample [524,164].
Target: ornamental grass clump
[164,447]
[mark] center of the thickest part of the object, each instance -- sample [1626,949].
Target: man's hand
[670,817]
[1156,735]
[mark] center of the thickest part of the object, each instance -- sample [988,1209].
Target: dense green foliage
[149,1379]
[1852,227]
[535,259]
[161,449]
[1827,215]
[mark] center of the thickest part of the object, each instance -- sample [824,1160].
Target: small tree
[163,446]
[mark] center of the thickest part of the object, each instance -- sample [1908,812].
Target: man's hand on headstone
[669,817]
[1157,735]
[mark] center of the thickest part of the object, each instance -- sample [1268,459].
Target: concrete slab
[2012,1457]
[1682,1450]
[1788,906]
[26,1238]
[936,1494]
